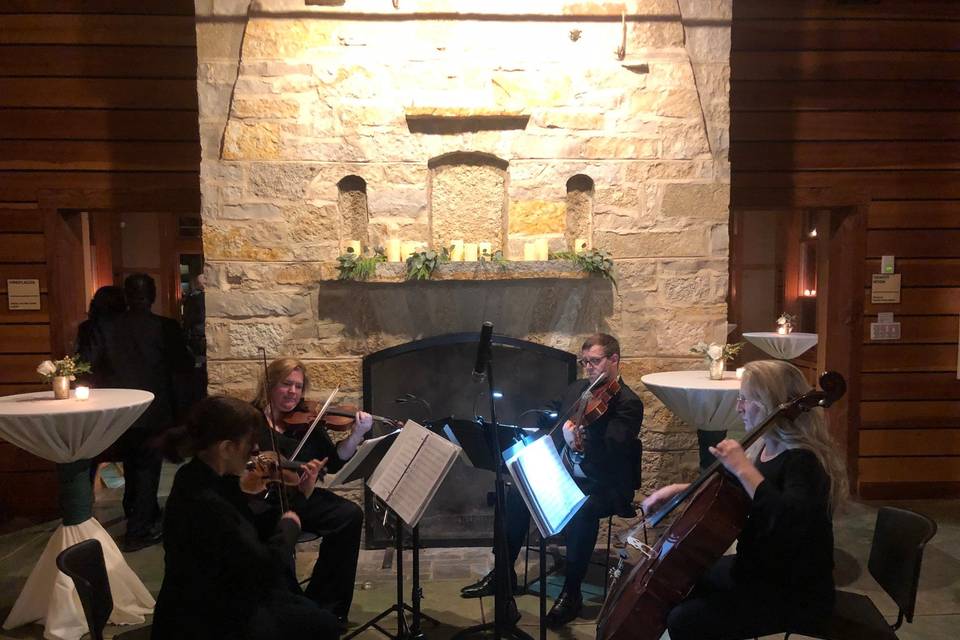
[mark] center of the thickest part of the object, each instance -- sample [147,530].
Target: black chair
[895,556]
[83,563]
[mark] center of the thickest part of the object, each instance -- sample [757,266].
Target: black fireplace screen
[432,379]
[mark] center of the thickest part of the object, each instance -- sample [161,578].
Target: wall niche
[467,192]
[354,212]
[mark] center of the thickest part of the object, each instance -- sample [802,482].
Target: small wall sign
[885,288]
[23,294]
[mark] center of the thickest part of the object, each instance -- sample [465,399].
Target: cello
[717,511]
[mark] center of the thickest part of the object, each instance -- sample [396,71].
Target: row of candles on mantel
[400,250]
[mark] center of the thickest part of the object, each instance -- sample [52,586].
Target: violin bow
[284,507]
[316,421]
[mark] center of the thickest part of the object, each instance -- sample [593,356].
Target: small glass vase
[716,369]
[61,387]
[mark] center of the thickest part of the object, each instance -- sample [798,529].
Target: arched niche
[580,190]
[468,198]
[354,213]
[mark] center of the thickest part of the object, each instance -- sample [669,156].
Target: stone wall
[295,97]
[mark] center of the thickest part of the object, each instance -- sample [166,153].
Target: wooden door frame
[840,299]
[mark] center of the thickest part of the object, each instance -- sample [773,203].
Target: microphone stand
[505,618]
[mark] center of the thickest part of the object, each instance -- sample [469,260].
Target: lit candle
[353,246]
[393,250]
[456,250]
[529,252]
[485,249]
[82,393]
[740,371]
[543,249]
[782,330]
[580,245]
[470,252]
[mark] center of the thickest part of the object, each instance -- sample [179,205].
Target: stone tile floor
[444,571]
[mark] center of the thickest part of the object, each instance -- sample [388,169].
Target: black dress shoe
[564,610]
[486,586]
[135,543]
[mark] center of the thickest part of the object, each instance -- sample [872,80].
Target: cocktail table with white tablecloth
[783,346]
[709,406]
[70,432]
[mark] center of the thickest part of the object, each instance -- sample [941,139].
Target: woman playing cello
[337,520]
[782,573]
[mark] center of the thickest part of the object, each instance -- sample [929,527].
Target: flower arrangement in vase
[716,356]
[785,323]
[61,373]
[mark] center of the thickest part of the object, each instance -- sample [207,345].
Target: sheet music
[365,449]
[553,497]
[412,471]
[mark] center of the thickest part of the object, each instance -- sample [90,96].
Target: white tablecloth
[782,346]
[66,431]
[704,404]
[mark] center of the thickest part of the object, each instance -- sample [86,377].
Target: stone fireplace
[505,122]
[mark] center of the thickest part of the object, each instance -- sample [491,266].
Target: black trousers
[580,533]
[141,471]
[285,616]
[340,523]
[721,608]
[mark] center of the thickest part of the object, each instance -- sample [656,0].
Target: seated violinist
[781,575]
[221,578]
[337,520]
[604,460]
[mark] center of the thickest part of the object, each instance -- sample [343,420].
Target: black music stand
[404,632]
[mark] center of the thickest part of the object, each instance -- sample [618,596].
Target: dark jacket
[611,449]
[217,571]
[141,350]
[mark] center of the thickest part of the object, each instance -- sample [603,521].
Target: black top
[138,350]
[318,447]
[611,447]
[217,570]
[788,539]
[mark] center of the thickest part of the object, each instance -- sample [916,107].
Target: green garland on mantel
[422,265]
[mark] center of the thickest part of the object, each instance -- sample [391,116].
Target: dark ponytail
[213,419]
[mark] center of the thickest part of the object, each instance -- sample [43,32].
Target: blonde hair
[774,382]
[277,372]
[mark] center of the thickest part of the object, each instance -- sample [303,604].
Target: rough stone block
[535,217]
[251,141]
[467,202]
[250,211]
[272,108]
[666,244]
[246,338]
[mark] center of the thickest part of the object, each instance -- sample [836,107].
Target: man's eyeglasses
[591,361]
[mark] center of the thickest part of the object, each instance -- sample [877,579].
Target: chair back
[83,562]
[896,553]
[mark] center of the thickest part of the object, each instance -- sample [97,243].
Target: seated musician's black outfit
[608,474]
[782,574]
[221,579]
[337,520]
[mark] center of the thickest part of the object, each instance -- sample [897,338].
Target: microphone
[483,352]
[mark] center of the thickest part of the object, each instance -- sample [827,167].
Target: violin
[335,418]
[262,470]
[596,406]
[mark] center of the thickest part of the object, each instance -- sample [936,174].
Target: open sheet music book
[412,470]
[551,495]
[364,461]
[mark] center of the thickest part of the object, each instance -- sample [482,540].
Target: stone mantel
[482,271]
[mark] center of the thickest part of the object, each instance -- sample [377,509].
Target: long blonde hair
[774,382]
[277,372]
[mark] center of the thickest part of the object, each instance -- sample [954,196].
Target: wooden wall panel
[98,110]
[861,99]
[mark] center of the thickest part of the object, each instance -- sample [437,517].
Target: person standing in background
[143,351]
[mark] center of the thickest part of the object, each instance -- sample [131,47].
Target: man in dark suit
[604,461]
[143,351]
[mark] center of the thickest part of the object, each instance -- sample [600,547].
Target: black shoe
[486,586]
[564,610]
[342,624]
[135,543]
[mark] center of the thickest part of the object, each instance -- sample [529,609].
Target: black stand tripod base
[404,632]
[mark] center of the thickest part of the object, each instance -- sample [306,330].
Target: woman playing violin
[781,575]
[337,520]
[221,578]
[604,456]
